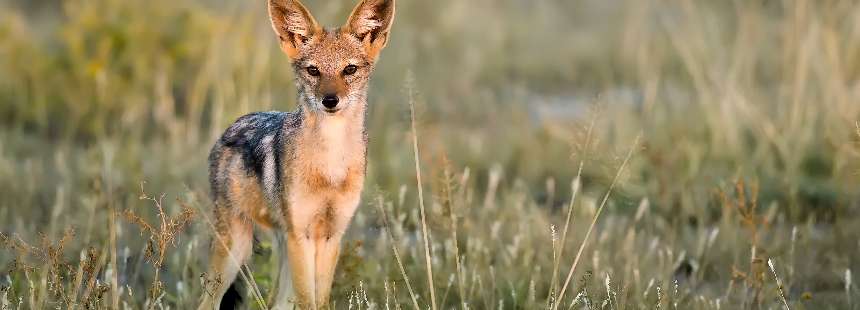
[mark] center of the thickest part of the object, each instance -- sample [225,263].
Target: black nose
[329,101]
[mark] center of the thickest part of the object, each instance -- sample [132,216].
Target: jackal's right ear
[293,23]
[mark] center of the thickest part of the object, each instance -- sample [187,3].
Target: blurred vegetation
[739,104]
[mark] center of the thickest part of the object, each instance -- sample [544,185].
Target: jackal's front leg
[328,244]
[300,253]
[327,253]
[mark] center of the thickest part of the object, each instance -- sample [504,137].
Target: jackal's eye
[350,70]
[313,71]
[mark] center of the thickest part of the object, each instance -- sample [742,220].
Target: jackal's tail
[233,297]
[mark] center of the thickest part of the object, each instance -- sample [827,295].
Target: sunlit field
[588,154]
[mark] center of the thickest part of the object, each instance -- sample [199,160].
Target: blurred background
[748,152]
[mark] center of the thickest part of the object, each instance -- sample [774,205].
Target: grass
[741,191]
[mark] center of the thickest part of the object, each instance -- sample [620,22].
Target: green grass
[749,152]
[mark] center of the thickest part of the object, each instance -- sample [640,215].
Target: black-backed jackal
[299,173]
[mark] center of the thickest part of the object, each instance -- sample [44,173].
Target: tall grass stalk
[848,285]
[424,233]
[452,215]
[594,221]
[393,242]
[779,285]
[575,186]
[114,276]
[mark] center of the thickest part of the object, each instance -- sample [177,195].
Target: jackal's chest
[323,198]
[332,159]
[326,181]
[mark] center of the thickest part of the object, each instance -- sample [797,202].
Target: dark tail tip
[233,297]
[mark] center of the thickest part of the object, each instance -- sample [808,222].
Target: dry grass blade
[114,281]
[594,221]
[452,216]
[779,286]
[424,233]
[848,285]
[393,242]
[574,191]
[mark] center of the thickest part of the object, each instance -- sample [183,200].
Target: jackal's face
[332,66]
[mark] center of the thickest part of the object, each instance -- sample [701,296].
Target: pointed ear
[370,22]
[293,23]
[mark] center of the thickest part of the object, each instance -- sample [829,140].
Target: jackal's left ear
[370,22]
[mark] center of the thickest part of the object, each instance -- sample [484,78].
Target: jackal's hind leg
[231,247]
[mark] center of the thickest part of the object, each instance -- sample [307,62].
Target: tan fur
[250,200]
[235,236]
[306,184]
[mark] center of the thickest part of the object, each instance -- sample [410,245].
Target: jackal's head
[332,66]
